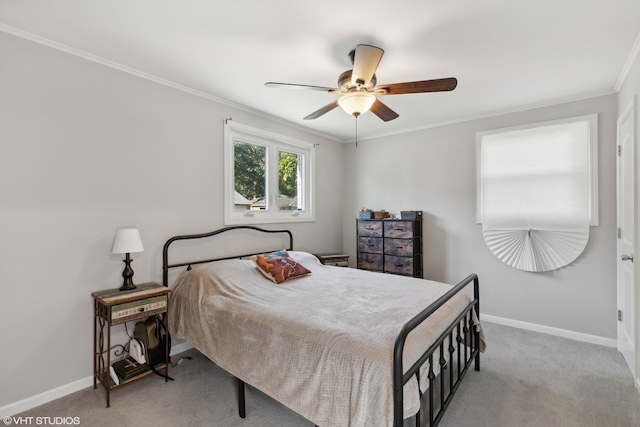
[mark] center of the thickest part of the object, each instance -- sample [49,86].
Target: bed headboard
[165,251]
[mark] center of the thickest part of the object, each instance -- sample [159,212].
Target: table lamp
[127,241]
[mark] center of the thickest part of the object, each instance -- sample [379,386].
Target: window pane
[290,181]
[250,176]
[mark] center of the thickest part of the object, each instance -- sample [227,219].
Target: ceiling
[507,55]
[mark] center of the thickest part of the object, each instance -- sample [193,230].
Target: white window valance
[537,191]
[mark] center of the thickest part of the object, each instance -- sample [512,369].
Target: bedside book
[128,368]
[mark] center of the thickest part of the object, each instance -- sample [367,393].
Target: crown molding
[633,54]
[94,58]
[120,67]
[490,114]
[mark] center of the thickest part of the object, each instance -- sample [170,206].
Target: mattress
[321,344]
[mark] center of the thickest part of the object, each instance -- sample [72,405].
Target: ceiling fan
[359,88]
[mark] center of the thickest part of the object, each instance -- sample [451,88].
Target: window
[538,170]
[537,190]
[268,177]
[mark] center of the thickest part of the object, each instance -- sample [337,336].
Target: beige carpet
[526,379]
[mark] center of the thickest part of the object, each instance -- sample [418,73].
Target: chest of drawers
[390,246]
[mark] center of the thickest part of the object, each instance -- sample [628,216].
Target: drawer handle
[398,265]
[370,244]
[141,309]
[399,247]
[399,229]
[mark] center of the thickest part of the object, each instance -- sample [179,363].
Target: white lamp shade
[127,240]
[356,103]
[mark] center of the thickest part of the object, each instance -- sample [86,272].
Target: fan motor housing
[345,85]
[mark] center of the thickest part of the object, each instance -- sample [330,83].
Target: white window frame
[274,142]
[592,119]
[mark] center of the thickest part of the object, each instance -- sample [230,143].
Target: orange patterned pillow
[279,266]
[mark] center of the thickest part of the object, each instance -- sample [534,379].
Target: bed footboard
[463,339]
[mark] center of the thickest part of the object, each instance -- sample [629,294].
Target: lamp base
[127,274]
[127,286]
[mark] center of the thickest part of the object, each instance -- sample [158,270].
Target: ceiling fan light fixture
[356,103]
[359,87]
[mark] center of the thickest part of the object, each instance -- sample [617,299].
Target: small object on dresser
[365,215]
[380,214]
[411,215]
[128,368]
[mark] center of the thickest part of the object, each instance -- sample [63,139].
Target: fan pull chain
[356,115]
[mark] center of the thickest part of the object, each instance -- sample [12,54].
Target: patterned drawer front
[398,247]
[370,262]
[398,265]
[370,228]
[138,309]
[398,229]
[370,245]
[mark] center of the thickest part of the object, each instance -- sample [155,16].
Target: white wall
[433,170]
[630,89]
[85,149]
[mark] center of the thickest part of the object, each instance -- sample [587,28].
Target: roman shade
[536,195]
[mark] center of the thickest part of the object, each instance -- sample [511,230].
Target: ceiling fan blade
[437,85]
[322,111]
[303,87]
[365,63]
[382,111]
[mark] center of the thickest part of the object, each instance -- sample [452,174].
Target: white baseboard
[45,397]
[594,339]
[58,392]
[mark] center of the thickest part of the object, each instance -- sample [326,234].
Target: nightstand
[339,260]
[113,307]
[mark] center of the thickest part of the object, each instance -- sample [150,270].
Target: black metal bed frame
[463,331]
